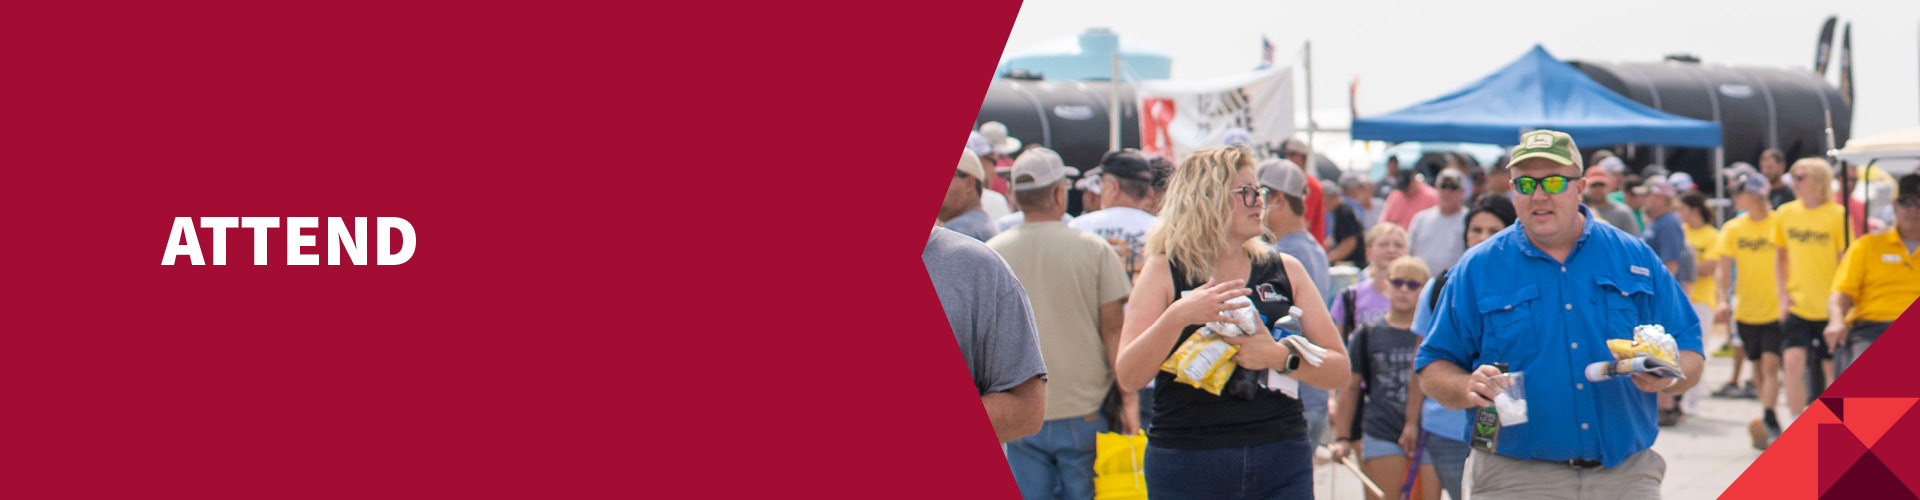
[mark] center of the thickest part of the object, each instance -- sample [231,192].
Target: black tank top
[1186,417]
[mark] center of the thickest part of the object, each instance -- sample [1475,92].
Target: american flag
[1266,52]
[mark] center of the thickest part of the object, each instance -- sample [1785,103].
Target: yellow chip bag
[1203,361]
[1648,340]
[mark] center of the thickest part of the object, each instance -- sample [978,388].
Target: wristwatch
[1292,363]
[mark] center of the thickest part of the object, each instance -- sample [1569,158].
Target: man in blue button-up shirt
[1544,296]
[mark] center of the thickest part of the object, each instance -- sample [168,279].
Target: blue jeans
[1058,461]
[1275,471]
[1449,461]
[1313,403]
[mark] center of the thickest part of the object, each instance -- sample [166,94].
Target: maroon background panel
[664,249]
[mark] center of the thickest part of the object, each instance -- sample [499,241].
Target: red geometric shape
[1899,447]
[1873,416]
[1869,479]
[1817,413]
[1838,405]
[1839,450]
[1787,468]
[1883,371]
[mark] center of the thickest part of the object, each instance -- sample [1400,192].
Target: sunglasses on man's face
[1406,284]
[1252,196]
[1908,202]
[1554,184]
[1449,185]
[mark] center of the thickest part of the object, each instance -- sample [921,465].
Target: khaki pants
[1497,477]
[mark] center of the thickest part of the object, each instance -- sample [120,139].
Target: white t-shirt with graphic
[1124,228]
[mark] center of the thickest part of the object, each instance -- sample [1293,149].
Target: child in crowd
[1382,354]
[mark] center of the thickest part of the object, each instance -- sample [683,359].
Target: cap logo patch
[1539,140]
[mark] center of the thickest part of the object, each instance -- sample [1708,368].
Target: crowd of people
[1531,264]
[1787,280]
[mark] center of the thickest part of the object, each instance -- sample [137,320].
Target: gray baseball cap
[1283,176]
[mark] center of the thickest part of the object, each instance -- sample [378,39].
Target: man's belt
[1580,463]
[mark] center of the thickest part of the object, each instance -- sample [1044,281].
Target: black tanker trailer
[1757,108]
[1070,118]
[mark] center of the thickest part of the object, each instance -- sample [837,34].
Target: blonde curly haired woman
[1248,441]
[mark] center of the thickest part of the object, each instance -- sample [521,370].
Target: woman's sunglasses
[1252,196]
[1554,184]
[1406,284]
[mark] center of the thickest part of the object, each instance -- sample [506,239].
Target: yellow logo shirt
[1882,277]
[1750,244]
[1814,239]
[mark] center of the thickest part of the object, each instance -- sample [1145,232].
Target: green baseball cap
[1549,144]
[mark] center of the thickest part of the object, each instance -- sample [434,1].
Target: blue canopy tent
[1537,92]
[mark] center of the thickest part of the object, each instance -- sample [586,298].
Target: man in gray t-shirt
[1665,233]
[1437,235]
[994,326]
[1286,186]
[1301,246]
[1616,214]
[1286,204]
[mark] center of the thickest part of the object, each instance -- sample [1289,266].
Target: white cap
[979,144]
[1658,186]
[1090,183]
[1236,138]
[1681,181]
[1613,165]
[996,134]
[970,165]
[1039,168]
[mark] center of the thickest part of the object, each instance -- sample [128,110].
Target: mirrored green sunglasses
[1555,184]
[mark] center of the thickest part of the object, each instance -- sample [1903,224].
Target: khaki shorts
[1497,477]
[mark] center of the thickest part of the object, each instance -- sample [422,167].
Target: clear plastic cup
[1512,401]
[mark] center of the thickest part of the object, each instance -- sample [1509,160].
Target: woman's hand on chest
[1258,351]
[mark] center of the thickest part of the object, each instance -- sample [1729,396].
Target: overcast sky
[1408,52]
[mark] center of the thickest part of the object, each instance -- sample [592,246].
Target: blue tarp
[1537,92]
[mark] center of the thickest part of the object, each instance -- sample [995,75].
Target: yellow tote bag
[1118,467]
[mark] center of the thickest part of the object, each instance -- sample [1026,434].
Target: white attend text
[184,240]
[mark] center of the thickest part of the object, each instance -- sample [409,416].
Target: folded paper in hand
[1312,354]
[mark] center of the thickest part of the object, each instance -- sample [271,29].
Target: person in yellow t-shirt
[1747,242]
[1879,279]
[1811,235]
[1704,239]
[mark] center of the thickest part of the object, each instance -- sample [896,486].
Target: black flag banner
[1846,63]
[1825,49]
